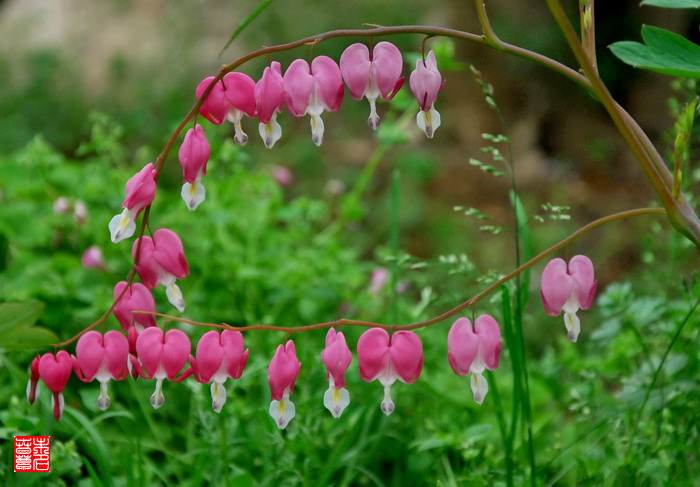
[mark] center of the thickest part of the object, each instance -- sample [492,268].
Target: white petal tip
[175,297]
[428,121]
[193,194]
[282,412]
[336,400]
[122,226]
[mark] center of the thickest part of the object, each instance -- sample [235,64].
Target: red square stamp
[32,453]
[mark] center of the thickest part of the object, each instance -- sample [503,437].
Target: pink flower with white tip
[92,258]
[387,359]
[281,375]
[140,192]
[337,357]
[313,90]
[269,100]
[55,371]
[475,350]
[162,356]
[135,297]
[32,390]
[426,82]
[568,289]
[372,75]
[219,356]
[102,358]
[194,155]
[162,261]
[229,99]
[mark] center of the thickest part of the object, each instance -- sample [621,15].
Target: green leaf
[247,21]
[665,52]
[673,3]
[18,315]
[30,338]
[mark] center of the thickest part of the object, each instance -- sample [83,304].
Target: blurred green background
[90,92]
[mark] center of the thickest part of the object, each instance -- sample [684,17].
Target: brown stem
[466,304]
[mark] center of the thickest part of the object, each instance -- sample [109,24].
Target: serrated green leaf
[664,52]
[673,3]
[29,338]
[18,315]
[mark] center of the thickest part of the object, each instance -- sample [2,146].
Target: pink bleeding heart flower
[281,374]
[162,261]
[269,100]
[194,155]
[55,371]
[32,390]
[229,99]
[162,356]
[140,192]
[102,358]
[92,258]
[312,90]
[337,357]
[219,356]
[372,75]
[136,297]
[387,359]
[473,351]
[568,289]
[426,82]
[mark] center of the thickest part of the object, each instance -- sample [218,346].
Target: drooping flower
[426,82]
[162,356]
[380,277]
[102,358]
[282,175]
[80,212]
[386,359]
[219,356]
[473,351]
[136,297]
[281,375]
[32,390]
[337,357]
[55,371]
[372,75]
[140,192]
[568,289]
[194,155]
[229,99]
[162,261]
[313,90]
[92,258]
[269,100]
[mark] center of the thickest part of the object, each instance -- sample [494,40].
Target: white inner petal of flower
[103,400]
[282,411]
[479,387]
[122,226]
[387,403]
[270,132]
[336,400]
[428,121]
[218,396]
[573,325]
[157,398]
[193,194]
[172,291]
[317,129]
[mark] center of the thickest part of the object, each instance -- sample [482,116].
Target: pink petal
[337,357]
[269,92]
[406,354]
[149,348]
[169,253]
[234,357]
[141,189]
[388,63]
[426,82]
[581,271]
[283,370]
[210,355]
[462,346]
[215,106]
[556,286]
[240,92]
[147,267]
[355,67]
[55,370]
[194,154]
[373,353]
[90,352]
[176,351]
[116,349]
[329,82]
[298,86]
[490,344]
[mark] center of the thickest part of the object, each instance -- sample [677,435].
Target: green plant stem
[447,314]
[680,213]
[500,417]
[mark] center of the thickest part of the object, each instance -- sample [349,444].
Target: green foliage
[673,3]
[664,52]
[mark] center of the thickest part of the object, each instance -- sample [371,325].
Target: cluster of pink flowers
[148,352]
